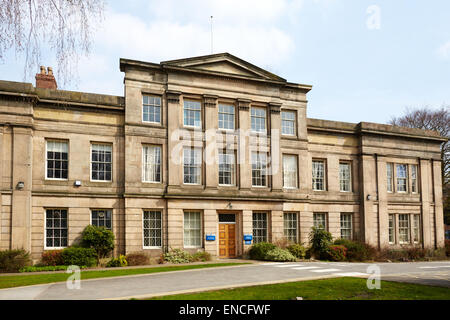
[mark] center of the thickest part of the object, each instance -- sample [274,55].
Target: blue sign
[248,242]
[248,237]
[210,237]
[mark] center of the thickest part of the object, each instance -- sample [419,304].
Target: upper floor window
[345,176]
[101,218]
[290,175]
[192,165]
[258,119]
[259,169]
[226,117]
[192,114]
[151,109]
[390,176]
[402,176]
[414,178]
[57,160]
[288,123]
[227,171]
[151,163]
[318,175]
[101,162]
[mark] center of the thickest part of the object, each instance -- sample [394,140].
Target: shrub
[201,256]
[79,256]
[337,252]
[297,250]
[259,250]
[357,251]
[416,253]
[120,261]
[447,248]
[52,258]
[98,238]
[320,241]
[283,243]
[14,260]
[278,254]
[137,259]
[177,256]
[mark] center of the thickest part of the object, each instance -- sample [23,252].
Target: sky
[366,60]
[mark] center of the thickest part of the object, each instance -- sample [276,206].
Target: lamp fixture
[20,185]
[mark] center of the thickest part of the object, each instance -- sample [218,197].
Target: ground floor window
[259,227]
[346,226]
[290,226]
[391,228]
[320,220]
[416,228]
[192,229]
[56,228]
[404,228]
[152,227]
[101,218]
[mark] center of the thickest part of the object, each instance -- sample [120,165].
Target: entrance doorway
[227,235]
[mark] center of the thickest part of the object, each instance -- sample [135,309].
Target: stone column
[211,152]
[438,206]
[244,155]
[424,178]
[332,177]
[383,216]
[368,188]
[275,151]
[21,196]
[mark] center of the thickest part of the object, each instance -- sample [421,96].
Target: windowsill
[152,124]
[55,179]
[152,248]
[54,248]
[289,136]
[193,128]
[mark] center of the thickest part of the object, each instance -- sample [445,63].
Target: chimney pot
[50,71]
[42,70]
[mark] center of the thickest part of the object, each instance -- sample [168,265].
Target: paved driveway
[434,273]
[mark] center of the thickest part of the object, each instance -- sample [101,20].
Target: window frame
[416,230]
[294,121]
[160,108]
[193,110]
[287,155]
[414,178]
[200,166]
[144,164]
[200,228]
[390,184]
[393,228]
[266,175]
[46,158]
[350,228]
[405,179]
[234,116]
[233,168]
[258,117]
[407,228]
[325,215]
[350,180]
[102,209]
[45,229]
[265,228]
[295,229]
[90,160]
[143,228]
[324,177]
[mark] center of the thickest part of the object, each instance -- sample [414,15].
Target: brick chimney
[46,79]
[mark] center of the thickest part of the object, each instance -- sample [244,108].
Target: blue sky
[366,60]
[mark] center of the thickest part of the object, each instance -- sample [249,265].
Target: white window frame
[46,158]
[416,228]
[346,225]
[320,214]
[226,154]
[154,105]
[228,114]
[294,121]
[390,177]
[324,175]
[407,228]
[200,229]
[293,173]
[397,178]
[143,228]
[290,224]
[145,165]
[347,181]
[45,229]
[196,165]
[262,169]
[391,228]
[414,186]
[199,126]
[112,161]
[258,117]
[100,209]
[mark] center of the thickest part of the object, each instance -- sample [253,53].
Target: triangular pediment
[224,63]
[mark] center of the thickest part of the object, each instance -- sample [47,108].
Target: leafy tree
[98,238]
[64,26]
[437,120]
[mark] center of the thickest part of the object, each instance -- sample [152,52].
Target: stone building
[208,153]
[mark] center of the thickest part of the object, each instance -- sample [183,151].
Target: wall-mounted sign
[248,237]
[248,242]
[210,237]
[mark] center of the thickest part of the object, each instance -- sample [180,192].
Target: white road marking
[287,265]
[351,274]
[270,263]
[305,268]
[434,267]
[325,270]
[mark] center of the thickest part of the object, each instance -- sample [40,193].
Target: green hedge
[79,256]
[258,251]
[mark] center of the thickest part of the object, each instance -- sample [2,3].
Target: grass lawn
[31,279]
[325,289]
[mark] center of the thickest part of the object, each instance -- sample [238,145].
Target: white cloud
[444,51]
